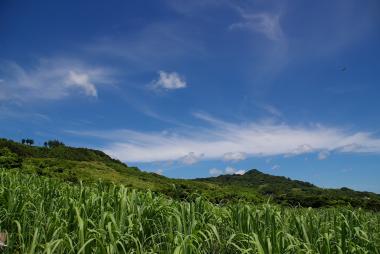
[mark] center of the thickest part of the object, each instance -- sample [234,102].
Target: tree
[54,143]
[29,141]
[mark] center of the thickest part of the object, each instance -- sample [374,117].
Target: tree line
[48,144]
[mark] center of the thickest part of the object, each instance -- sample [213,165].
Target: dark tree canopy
[53,143]
[27,141]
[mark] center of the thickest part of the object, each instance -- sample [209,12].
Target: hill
[293,192]
[82,164]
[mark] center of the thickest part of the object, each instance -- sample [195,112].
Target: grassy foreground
[47,215]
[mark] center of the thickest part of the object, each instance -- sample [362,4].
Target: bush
[9,160]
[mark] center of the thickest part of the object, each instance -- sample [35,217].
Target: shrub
[9,160]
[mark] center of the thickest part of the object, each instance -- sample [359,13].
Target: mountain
[88,165]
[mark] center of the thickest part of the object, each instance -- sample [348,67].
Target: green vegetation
[292,192]
[75,164]
[9,160]
[48,215]
[57,152]
[60,199]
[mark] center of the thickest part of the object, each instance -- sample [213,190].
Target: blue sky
[198,88]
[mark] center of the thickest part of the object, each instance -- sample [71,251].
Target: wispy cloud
[265,23]
[323,155]
[11,113]
[215,172]
[271,110]
[234,156]
[191,158]
[159,171]
[169,81]
[301,149]
[227,171]
[151,47]
[82,80]
[50,79]
[221,138]
[231,170]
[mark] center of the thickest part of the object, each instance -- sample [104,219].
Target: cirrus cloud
[234,156]
[82,80]
[267,24]
[323,155]
[191,158]
[50,79]
[219,138]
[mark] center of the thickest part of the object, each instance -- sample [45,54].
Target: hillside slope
[82,164]
[75,164]
[293,192]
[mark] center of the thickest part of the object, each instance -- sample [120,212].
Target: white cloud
[323,155]
[220,138]
[227,171]
[349,147]
[231,171]
[159,171]
[50,79]
[82,80]
[22,113]
[191,158]
[234,156]
[215,172]
[169,81]
[301,149]
[272,110]
[275,167]
[265,23]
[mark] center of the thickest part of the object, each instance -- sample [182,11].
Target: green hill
[293,192]
[82,164]
[75,164]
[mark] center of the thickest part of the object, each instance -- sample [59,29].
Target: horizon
[201,88]
[228,171]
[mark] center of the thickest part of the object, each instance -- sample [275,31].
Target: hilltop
[293,192]
[82,164]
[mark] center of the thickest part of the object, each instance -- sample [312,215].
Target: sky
[200,88]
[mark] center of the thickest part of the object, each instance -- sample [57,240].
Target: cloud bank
[223,140]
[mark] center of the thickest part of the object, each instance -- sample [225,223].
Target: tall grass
[43,215]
